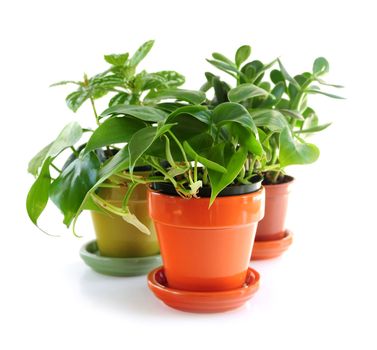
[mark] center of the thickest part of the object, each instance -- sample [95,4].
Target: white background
[319,295]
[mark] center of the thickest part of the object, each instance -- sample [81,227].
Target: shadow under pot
[206,248]
[272,238]
[116,237]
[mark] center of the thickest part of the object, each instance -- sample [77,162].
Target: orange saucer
[202,302]
[271,249]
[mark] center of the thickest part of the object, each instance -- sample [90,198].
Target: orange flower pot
[272,226]
[206,249]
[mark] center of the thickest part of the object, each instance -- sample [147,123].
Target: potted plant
[279,108]
[130,109]
[205,199]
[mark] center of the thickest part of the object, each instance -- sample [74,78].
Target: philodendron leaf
[37,197]
[70,188]
[191,96]
[269,118]
[320,66]
[117,59]
[149,114]
[140,53]
[242,54]
[114,130]
[230,112]
[246,91]
[221,180]
[70,134]
[206,162]
[294,152]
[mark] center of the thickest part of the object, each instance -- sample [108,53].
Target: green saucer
[117,266]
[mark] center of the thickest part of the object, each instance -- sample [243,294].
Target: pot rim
[287,183]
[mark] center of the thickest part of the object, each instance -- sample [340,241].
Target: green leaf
[149,114]
[277,77]
[206,162]
[142,140]
[191,96]
[113,130]
[70,134]
[120,98]
[287,76]
[70,188]
[222,58]
[314,129]
[75,99]
[170,78]
[270,119]
[221,180]
[247,139]
[230,112]
[322,82]
[314,91]
[141,52]
[37,197]
[242,54]
[198,112]
[225,67]
[117,59]
[293,114]
[294,152]
[65,82]
[320,66]
[246,91]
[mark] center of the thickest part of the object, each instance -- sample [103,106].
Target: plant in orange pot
[205,201]
[280,111]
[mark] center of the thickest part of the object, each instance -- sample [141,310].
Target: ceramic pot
[202,248]
[116,237]
[272,226]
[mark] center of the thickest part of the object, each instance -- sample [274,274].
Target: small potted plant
[205,201]
[279,108]
[130,109]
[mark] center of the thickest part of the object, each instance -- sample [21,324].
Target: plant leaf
[38,159]
[287,76]
[242,54]
[230,112]
[320,66]
[149,114]
[75,99]
[191,96]
[271,119]
[222,58]
[113,130]
[140,53]
[293,114]
[313,129]
[70,188]
[322,82]
[37,197]
[294,152]
[314,91]
[117,59]
[245,91]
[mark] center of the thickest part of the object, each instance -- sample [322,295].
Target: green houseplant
[278,104]
[131,95]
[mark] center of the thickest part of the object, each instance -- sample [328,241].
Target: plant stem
[276,177]
[196,170]
[56,168]
[94,110]
[74,151]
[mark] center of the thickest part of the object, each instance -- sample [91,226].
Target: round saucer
[117,266]
[271,249]
[202,302]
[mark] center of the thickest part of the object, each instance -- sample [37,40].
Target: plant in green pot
[205,201]
[66,178]
[279,108]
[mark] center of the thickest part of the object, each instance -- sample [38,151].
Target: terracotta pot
[272,226]
[116,237]
[206,249]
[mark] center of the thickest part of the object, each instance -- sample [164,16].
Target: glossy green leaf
[141,52]
[206,162]
[230,112]
[75,99]
[320,66]
[314,91]
[38,159]
[70,188]
[114,130]
[119,98]
[314,129]
[294,152]
[171,78]
[322,82]
[117,59]
[149,114]
[247,139]
[198,112]
[191,96]
[65,82]
[37,197]
[242,54]
[221,180]
[270,119]
[246,91]
[222,58]
[225,67]
[287,76]
[293,114]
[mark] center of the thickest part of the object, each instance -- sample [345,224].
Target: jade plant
[66,177]
[278,104]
